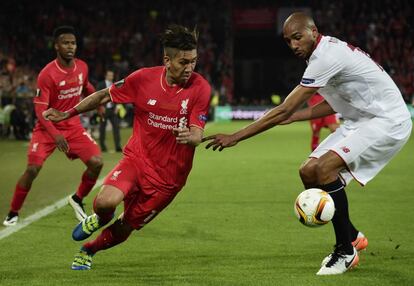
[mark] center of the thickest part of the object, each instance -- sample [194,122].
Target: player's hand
[220,141]
[182,135]
[55,115]
[61,143]
[287,121]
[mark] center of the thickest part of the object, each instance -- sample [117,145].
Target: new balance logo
[152,102]
[62,83]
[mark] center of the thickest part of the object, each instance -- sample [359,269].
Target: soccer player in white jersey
[376,125]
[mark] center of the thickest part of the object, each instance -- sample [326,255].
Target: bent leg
[323,173]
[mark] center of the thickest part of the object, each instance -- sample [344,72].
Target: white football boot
[360,243]
[78,208]
[339,262]
[11,219]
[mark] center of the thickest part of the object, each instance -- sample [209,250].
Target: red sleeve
[50,128]
[198,116]
[88,88]
[45,87]
[125,90]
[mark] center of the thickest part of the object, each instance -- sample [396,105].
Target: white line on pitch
[38,215]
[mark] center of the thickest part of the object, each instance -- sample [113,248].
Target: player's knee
[105,203]
[307,173]
[32,171]
[95,164]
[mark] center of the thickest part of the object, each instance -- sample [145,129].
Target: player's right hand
[61,143]
[220,141]
[55,115]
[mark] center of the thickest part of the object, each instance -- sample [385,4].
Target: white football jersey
[353,84]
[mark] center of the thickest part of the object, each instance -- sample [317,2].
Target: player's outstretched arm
[88,103]
[274,117]
[319,110]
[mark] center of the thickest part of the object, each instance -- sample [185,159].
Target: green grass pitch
[233,223]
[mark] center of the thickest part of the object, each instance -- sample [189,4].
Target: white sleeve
[320,70]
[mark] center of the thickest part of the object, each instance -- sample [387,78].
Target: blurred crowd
[120,35]
[382,28]
[123,36]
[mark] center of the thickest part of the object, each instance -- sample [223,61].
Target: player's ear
[315,32]
[167,61]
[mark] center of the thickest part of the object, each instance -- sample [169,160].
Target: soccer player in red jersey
[171,104]
[61,83]
[330,121]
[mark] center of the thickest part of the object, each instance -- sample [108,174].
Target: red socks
[85,186]
[108,238]
[19,196]
[314,142]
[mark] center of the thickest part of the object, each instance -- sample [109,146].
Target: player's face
[66,46]
[181,66]
[301,40]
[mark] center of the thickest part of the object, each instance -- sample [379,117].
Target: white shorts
[365,149]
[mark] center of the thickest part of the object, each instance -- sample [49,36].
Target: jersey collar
[65,70]
[164,84]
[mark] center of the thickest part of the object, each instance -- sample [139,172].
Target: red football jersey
[158,108]
[61,88]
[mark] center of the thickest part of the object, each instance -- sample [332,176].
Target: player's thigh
[143,206]
[124,176]
[40,147]
[82,145]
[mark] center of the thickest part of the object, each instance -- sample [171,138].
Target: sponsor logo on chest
[71,87]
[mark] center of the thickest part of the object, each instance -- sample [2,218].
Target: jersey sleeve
[88,88]
[44,89]
[198,116]
[320,71]
[125,90]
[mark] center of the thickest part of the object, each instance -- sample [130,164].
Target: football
[314,207]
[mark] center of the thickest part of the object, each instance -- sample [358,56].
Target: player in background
[60,85]
[171,104]
[376,125]
[330,121]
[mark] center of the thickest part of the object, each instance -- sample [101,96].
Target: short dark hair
[179,37]
[63,30]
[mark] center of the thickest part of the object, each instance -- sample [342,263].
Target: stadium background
[215,239]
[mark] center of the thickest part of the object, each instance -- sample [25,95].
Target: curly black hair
[179,37]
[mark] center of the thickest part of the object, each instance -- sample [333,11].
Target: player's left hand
[54,115]
[220,141]
[182,135]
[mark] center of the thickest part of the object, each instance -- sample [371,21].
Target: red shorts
[142,201]
[81,145]
[319,123]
